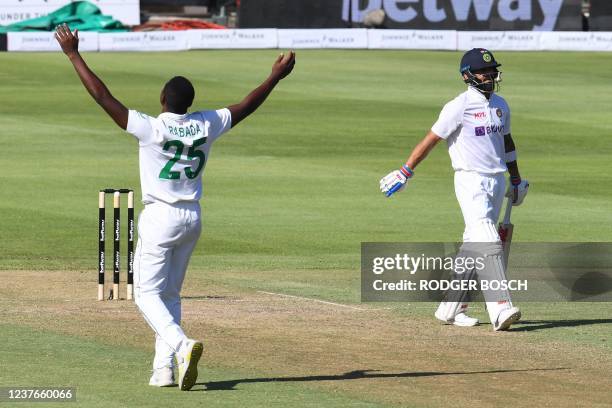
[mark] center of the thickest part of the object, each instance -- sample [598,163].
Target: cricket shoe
[187,359]
[460,319]
[162,377]
[506,318]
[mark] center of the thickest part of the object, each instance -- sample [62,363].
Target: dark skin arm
[282,67]
[96,88]
[512,166]
[421,150]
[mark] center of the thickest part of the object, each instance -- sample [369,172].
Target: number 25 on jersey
[193,153]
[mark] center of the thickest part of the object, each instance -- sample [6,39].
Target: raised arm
[396,180]
[96,88]
[281,68]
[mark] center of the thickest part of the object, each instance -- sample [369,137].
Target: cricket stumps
[114,293]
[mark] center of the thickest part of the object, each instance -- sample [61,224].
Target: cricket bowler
[173,150]
[476,127]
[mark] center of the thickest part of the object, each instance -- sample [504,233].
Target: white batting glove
[517,190]
[395,181]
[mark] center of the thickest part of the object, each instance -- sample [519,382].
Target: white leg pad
[448,310]
[496,300]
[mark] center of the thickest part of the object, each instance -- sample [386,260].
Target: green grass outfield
[289,196]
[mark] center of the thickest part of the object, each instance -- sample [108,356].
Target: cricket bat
[505,231]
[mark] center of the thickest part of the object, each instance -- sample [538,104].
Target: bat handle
[506,220]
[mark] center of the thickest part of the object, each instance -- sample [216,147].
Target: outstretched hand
[94,85]
[283,65]
[68,41]
[280,69]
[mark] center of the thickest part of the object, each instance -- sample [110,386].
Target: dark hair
[179,94]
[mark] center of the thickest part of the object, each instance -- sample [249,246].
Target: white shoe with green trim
[187,358]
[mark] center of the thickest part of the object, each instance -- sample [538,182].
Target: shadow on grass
[351,375]
[531,325]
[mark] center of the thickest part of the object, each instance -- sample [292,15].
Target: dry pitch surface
[372,353]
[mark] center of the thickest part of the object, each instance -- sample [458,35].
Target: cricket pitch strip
[393,355]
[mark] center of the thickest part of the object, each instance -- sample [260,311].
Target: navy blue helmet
[476,60]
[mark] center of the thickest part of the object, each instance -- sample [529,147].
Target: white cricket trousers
[167,235]
[480,197]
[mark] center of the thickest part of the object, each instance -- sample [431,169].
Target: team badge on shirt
[499,112]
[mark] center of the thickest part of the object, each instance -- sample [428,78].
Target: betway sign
[540,14]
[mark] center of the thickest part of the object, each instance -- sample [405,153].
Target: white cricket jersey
[474,129]
[173,150]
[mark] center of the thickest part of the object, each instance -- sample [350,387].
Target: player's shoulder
[459,100]
[456,105]
[138,122]
[497,97]
[500,101]
[199,116]
[208,115]
[136,114]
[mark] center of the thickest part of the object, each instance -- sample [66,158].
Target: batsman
[476,127]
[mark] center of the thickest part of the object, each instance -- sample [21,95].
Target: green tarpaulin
[81,15]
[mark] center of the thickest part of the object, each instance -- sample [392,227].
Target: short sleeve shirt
[173,150]
[474,128]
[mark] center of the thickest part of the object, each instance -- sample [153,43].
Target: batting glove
[395,181]
[517,190]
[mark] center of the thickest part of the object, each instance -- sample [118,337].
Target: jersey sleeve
[507,128]
[139,125]
[450,119]
[220,122]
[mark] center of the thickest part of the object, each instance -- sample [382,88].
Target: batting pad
[448,310]
[456,301]
[497,297]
